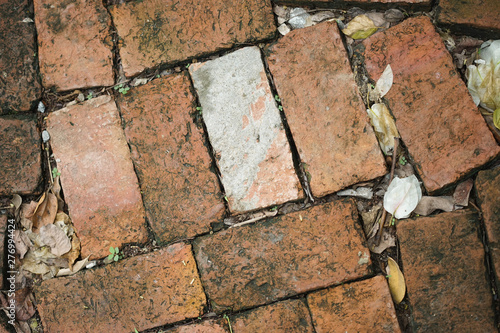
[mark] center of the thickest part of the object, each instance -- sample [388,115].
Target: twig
[48,164]
[255,219]
[384,214]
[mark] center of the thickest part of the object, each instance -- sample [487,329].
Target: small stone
[284,29]
[393,15]
[281,20]
[41,107]
[299,18]
[80,97]
[322,16]
[45,136]
[282,12]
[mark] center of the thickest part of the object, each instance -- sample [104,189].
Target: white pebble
[41,107]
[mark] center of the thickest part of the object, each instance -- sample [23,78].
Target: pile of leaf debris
[47,246]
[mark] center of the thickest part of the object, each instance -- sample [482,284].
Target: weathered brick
[287,316]
[446,280]
[153,32]
[488,195]
[245,129]
[283,256]
[435,115]
[208,326]
[181,195]
[317,90]
[140,292]
[21,155]
[364,306]
[74,43]
[475,15]
[97,175]
[19,86]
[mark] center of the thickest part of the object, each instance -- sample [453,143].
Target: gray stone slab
[245,130]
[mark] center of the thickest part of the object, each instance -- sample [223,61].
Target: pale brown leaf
[46,211]
[462,192]
[74,253]
[54,237]
[397,285]
[428,205]
[77,267]
[22,242]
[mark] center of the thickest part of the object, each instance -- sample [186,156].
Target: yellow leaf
[362,34]
[397,284]
[496,118]
[360,27]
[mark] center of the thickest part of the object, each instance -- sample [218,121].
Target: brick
[181,195]
[317,90]
[364,306]
[74,43]
[21,155]
[208,326]
[443,258]
[97,175]
[414,4]
[245,130]
[140,292]
[287,316]
[283,256]
[445,134]
[488,196]
[19,86]
[470,16]
[154,32]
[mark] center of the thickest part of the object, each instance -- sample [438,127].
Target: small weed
[225,198]
[115,254]
[274,208]
[280,108]
[277,98]
[228,322]
[199,109]
[90,96]
[121,89]
[402,160]
[187,65]
[55,173]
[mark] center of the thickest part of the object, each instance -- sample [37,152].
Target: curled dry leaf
[428,205]
[16,201]
[388,240]
[397,285]
[46,210]
[402,196]
[384,126]
[462,192]
[55,237]
[74,253]
[77,267]
[22,242]
[360,27]
[25,214]
[383,85]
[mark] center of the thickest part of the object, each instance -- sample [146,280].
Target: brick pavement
[252,123]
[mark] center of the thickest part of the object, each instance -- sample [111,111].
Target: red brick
[283,256]
[488,195]
[181,195]
[315,83]
[208,326]
[473,14]
[19,86]
[21,155]
[153,32]
[364,306]
[140,292]
[287,316]
[97,175]
[74,43]
[435,115]
[446,280]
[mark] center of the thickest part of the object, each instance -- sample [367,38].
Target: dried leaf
[462,192]
[383,85]
[74,253]
[496,118]
[427,205]
[360,192]
[378,19]
[25,308]
[32,261]
[388,240]
[384,126]
[22,242]
[77,267]
[402,196]
[16,201]
[397,285]
[55,238]
[56,189]
[26,212]
[360,27]
[46,211]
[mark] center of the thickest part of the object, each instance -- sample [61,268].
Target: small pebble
[81,97]
[41,107]
[299,18]
[284,29]
[45,136]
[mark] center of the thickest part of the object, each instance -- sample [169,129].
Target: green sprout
[55,173]
[115,254]
[90,95]
[187,65]
[277,98]
[280,108]
[402,160]
[228,322]
[121,89]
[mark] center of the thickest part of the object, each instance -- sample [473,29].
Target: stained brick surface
[19,86]
[245,130]
[324,110]
[140,292]
[209,326]
[286,316]
[20,159]
[443,262]
[181,195]
[74,43]
[97,175]
[435,115]
[488,194]
[475,14]
[257,264]
[153,32]
[364,306]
